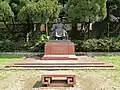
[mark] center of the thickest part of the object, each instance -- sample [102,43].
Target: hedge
[101,45]
[90,45]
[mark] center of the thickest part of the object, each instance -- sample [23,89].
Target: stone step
[59,68]
[58,88]
[82,63]
[52,66]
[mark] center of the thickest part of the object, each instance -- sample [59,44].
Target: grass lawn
[86,79]
[115,60]
[4,60]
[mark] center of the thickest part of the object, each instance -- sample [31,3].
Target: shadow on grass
[38,84]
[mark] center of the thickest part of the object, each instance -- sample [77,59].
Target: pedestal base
[59,57]
[59,50]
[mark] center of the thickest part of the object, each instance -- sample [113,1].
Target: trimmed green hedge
[10,46]
[99,45]
[7,45]
[90,45]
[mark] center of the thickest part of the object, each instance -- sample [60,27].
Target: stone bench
[58,80]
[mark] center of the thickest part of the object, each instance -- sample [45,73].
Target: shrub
[90,45]
[7,46]
[39,46]
[102,45]
[10,46]
[78,45]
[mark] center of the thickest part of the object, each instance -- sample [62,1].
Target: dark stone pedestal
[59,50]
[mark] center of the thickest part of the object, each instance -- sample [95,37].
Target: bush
[7,46]
[102,45]
[39,46]
[78,45]
[90,45]
[10,46]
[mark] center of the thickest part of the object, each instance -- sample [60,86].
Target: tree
[113,17]
[16,5]
[47,9]
[6,13]
[113,7]
[86,11]
[27,15]
[41,11]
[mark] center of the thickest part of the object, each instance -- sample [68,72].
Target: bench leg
[70,80]
[47,80]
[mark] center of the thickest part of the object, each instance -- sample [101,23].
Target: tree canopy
[86,10]
[27,12]
[39,11]
[5,11]
[16,5]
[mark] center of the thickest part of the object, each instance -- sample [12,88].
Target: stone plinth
[59,50]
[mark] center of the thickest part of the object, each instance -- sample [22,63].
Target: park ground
[86,79]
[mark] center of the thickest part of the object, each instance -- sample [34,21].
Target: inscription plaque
[58,49]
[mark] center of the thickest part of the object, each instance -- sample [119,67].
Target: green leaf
[86,10]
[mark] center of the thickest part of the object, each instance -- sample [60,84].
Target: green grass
[115,60]
[113,74]
[4,60]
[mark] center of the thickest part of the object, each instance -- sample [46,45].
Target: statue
[60,48]
[59,31]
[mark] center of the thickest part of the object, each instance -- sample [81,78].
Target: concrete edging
[41,53]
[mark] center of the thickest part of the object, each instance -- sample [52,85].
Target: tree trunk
[27,32]
[7,27]
[47,27]
[13,29]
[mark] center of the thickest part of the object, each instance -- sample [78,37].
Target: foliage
[16,5]
[102,45]
[48,9]
[86,10]
[113,7]
[114,2]
[113,17]
[7,45]
[39,46]
[90,45]
[10,46]
[39,11]
[16,35]
[44,38]
[5,11]
[28,12]
[78,45]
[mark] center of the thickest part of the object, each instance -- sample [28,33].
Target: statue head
[58,20]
